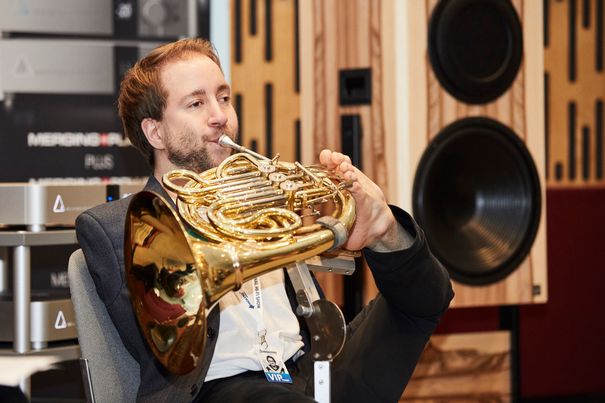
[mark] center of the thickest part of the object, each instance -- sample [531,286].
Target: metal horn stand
[326,322]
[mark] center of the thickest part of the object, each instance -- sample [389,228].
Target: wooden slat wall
[575,90]
[264,65]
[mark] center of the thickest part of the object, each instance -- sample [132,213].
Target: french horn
[244,218]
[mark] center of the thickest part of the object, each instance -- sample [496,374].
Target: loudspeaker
[464,107]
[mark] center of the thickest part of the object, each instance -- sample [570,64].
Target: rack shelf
[19,244]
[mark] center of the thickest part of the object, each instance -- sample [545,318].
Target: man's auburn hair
[141,93]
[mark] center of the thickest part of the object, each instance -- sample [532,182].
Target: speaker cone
[477,195]
[475,47]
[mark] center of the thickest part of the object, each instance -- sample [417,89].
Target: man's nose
[217,117]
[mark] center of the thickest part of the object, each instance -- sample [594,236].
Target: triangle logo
[23,68]
[59,206]
[60,322]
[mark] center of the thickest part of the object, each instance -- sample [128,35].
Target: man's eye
[195,104]
[226,99]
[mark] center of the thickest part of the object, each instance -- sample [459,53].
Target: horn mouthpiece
[226,141]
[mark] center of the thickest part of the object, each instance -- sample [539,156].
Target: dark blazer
[413,282]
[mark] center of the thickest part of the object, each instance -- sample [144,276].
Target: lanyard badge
[273,366]
[269,356]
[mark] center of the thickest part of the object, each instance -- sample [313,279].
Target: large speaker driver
[475,47]
[477,195]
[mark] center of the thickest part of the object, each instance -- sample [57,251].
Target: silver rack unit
[26,342]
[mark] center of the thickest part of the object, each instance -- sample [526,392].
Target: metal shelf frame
[21,243]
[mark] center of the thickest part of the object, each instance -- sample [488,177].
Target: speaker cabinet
[464,117]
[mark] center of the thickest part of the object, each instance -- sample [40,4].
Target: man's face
[198,111]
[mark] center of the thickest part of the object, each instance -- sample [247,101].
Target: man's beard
[194,160]
[186,154]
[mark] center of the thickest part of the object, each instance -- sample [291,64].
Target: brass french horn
[234,222]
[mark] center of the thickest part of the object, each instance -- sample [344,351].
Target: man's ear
[153,131]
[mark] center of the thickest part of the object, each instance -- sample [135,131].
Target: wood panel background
[464,367]
[575,90]
[265,75]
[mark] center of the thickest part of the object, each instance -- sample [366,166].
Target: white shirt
[241,321]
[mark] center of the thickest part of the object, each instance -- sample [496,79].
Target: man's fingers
[324,157]
[344,158]
[332,158]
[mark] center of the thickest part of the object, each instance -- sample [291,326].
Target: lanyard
[257,306]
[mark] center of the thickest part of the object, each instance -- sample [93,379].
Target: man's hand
[375,226]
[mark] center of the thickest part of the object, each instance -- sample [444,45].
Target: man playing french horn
[175,105]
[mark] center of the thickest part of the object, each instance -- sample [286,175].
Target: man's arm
[411,279]
[405,271]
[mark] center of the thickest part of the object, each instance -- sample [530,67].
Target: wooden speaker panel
[420,107]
